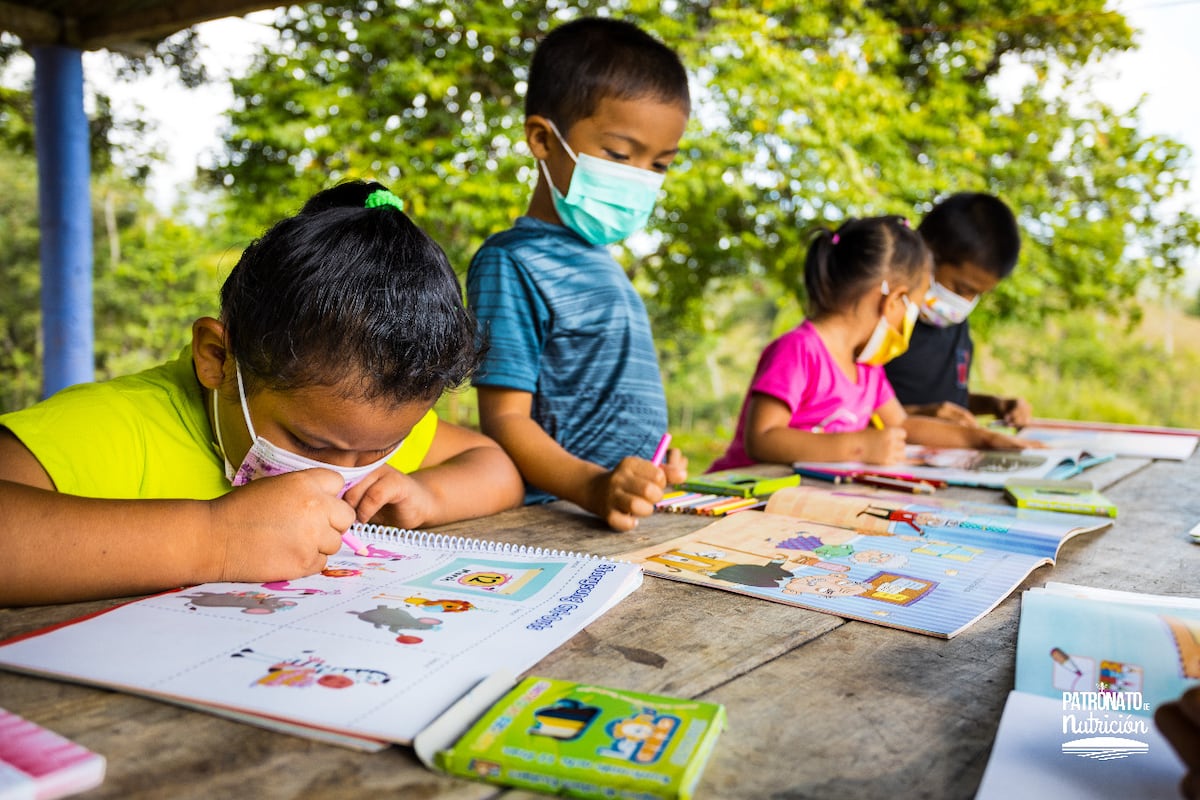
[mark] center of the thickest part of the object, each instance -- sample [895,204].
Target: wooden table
[819,707]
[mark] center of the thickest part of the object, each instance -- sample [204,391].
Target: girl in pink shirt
[820,392]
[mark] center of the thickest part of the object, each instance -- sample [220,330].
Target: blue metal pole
[64,205]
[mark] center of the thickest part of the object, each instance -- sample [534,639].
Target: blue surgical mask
[606,201]
[265,459]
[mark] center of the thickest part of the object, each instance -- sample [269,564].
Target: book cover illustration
[588,741]
[372,647]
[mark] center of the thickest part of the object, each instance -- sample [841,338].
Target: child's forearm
[544,463]
[781,445]
[933,432]
[60,548]
[474,483]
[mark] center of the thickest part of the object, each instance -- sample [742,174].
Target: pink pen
[354,543]
[660,452]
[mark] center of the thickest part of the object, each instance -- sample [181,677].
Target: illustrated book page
[1092,666]
[373,648]
[881,558]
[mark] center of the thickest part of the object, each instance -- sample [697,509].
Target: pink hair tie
[835,239]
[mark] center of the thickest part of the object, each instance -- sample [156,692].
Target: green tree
[804,114]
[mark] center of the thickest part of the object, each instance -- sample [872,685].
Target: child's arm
[60,548]
[951,412]
[939,433]
[1013,410]
[619,496]
[768,437]
[464,475]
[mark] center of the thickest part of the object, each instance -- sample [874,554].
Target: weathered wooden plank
[818,707]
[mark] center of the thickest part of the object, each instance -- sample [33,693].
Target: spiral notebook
[364,654]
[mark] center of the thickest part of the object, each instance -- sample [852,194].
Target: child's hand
[628,492]
[994,440]
[1179,721]
[1015,411]
[675,468]
[281,527]
[392,496]
[951,412]
[884,446]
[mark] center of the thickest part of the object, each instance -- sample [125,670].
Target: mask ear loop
[237,368]
[562,140]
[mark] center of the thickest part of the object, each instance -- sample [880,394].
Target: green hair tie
[382,197]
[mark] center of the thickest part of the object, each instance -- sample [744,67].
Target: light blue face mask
[606,201]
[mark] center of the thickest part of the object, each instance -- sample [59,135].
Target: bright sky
[1163,69]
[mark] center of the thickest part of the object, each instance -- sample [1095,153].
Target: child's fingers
[676,467]
[1182,732]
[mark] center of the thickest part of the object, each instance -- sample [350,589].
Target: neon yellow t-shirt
[145,436]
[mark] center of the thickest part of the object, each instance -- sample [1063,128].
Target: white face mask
[265,459]
[943,308]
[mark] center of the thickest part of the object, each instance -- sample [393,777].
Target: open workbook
[964,467]
[366,653]
[927,565]
[1176,444]
[1092,666]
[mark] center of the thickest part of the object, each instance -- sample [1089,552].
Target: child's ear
[538,136]
[209,353]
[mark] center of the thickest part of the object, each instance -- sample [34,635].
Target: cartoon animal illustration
[249,602]
[310,670]
[286,586]
[445,606]
[389,555]
[640,738]
[395,619]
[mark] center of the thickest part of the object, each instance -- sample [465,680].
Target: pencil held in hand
[660,452]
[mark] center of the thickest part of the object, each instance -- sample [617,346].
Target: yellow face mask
[886,342]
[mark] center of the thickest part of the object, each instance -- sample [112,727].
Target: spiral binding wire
[441,541]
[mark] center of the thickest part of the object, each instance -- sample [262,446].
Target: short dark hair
[342,293]
[582,62]
[976,228]
[844,264]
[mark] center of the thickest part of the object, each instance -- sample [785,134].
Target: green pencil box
[739,484]
[577,740]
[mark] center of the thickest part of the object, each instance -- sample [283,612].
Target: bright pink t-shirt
[798,369]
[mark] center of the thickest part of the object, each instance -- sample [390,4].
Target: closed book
[738,484]
[1076,497]
[38,764]
[580,740]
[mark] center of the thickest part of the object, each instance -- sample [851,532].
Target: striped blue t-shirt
[565,324]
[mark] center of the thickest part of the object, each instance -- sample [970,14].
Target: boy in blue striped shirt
[570,385]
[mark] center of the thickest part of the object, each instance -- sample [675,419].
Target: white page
[1028,761]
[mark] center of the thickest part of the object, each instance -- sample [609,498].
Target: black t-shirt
[935,367]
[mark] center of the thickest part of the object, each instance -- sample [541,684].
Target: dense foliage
[804,113]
